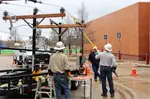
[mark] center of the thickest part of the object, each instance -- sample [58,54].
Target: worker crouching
[58,67]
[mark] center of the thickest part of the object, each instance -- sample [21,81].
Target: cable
[74,18]
[8,12]
[18,34]
[40,2]
[19,5]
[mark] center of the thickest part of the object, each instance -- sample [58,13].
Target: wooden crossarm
[62,26]
[36,16]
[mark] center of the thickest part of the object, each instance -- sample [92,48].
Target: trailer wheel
[18,63]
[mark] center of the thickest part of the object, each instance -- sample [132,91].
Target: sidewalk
[139,85]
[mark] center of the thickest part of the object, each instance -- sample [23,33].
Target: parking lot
[6,63]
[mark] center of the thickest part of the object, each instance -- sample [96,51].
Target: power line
[18,34]
[40,2]
[8,12]
[19,5]
[50,4]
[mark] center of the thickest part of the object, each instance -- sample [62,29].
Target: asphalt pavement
[6,63]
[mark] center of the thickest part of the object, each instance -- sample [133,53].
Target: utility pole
[82,46]
[82,21]
[59,37]
[34,38]
[34,26]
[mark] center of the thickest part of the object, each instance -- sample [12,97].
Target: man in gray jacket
[107,62]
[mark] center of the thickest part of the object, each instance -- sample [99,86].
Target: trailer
[22,82]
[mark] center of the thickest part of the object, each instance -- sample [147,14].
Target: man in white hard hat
[58,67]
[95,63]
[107,62]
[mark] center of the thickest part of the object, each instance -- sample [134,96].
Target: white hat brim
[107,49]
[56,48]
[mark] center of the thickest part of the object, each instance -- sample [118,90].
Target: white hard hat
[108,47]
[59,46]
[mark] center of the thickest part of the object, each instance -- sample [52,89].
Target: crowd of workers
[103,61]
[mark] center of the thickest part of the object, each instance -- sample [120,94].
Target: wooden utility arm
[35,16]
[62,26]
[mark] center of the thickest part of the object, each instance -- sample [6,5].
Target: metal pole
[59,37]
[82,43]
[106,41]
[69,45]
[119,50]
[147,58]
[33,41]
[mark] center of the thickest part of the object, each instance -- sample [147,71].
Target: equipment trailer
[21,81]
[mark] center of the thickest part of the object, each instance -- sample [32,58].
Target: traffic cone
[134,70]
[13,62]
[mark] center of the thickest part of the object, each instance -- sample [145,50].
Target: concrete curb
[143,65]
[119,61]
[126,89]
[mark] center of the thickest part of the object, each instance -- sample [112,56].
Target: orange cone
[13,62]
[134,70]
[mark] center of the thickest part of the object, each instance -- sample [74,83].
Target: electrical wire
[19,5]
[17,34]
[40,2]
[75,20]
[8,12]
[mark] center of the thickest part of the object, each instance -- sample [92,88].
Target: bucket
[87,90]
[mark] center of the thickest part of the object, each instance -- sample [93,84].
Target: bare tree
[83,17]
[82,13]
[68,35]
[53,37]
[14,37]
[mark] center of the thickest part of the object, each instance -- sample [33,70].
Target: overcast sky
[95,8]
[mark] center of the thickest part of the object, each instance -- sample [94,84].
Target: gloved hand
[50,72]
[114,68]
[68,74]
[97,52]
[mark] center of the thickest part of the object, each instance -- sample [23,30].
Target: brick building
[133,22]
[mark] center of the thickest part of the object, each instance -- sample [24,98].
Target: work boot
[95,80]
[112,95]
[104,95]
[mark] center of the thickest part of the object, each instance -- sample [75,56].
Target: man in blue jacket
[95,63]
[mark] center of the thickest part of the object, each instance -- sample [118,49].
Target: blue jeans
[61,83]
[106,71]
[95,70]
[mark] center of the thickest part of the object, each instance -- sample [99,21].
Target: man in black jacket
[95,63]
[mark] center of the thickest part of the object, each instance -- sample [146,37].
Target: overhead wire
[76,20]
[19,5]
[17,34]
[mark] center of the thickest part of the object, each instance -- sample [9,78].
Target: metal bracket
[28,23]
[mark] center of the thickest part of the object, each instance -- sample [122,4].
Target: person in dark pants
[107,62]
[95,63]
[59,68]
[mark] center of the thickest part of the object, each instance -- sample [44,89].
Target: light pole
[105,38]
[119,37]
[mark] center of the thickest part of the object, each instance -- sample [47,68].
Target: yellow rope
[77,21]
[88,39]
